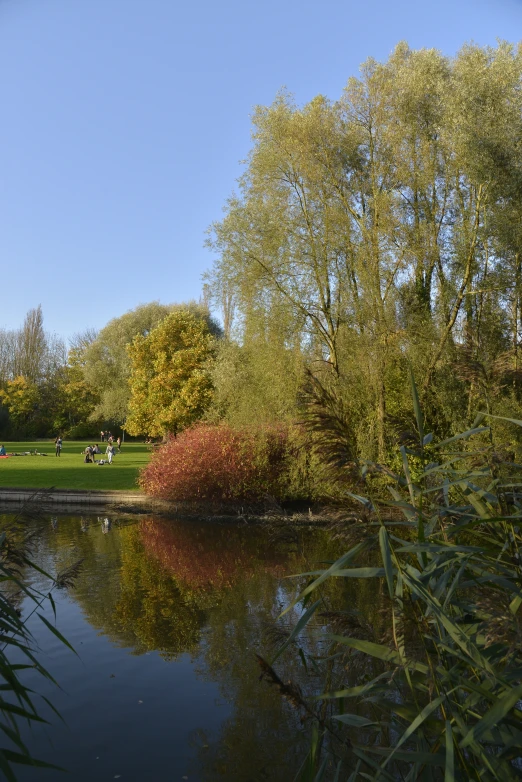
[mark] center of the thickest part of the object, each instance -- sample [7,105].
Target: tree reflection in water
[209,558]
[210,591]
[234,576]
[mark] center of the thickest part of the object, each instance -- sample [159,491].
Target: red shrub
[218,463]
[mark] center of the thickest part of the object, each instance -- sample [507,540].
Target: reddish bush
[218,463]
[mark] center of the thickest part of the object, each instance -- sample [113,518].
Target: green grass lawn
[69,471]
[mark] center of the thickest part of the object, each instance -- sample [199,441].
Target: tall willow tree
[386,226]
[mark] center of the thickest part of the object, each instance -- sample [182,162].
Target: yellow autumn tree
[169,382]
[20,397]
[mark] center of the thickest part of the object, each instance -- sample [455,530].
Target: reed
[441,694]
[19,705]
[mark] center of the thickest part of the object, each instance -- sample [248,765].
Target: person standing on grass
[110,452]
[58,445]
[102,436]
[118,443]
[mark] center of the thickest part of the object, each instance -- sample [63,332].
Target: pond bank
[74,496]
[69,500]
[79,500]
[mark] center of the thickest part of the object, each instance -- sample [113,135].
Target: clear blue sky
[123,123]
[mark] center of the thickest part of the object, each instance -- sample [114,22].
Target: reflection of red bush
[204,557]
[217,463]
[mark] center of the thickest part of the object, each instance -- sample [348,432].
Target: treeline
[146,372]
[38,380]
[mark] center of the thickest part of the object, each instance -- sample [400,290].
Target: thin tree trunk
[460,295]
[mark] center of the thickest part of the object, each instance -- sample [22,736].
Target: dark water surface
[166,617]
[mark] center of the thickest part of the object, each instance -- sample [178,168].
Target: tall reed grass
[20,705]
[441,694]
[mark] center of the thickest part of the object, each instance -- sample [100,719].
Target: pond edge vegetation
[18,702]
[444,700]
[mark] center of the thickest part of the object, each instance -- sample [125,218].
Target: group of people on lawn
[91,450]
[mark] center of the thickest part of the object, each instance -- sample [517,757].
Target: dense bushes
[218,463]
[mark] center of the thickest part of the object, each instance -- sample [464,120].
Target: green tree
[381,225]
[106,361]
[77,399]
[170,386]
[257,382]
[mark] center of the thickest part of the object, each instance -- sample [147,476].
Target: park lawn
[69,470]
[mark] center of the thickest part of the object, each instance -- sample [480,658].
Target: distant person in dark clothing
[102,436]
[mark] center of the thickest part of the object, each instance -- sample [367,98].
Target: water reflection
[209,557]
[161,579]
[149,590]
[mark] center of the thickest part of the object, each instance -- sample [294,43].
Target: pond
[166,618]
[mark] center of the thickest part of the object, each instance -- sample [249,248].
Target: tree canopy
[45,389]
[107,364]
[170,386]
[383,230]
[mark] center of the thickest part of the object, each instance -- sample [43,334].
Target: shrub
[219,463]
[80,431]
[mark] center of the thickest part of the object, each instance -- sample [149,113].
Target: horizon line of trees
[109,377]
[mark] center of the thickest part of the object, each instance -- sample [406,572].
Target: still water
[166,617]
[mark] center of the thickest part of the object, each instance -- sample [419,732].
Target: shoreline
[84,500]
[78,496]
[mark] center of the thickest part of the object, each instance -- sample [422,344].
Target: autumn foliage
[170,387]
[219,463]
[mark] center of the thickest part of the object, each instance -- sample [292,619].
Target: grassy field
[69,471]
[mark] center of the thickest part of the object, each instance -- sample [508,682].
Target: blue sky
[123,123]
